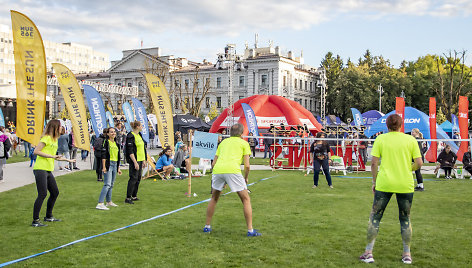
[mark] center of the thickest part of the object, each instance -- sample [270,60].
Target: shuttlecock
[194,194]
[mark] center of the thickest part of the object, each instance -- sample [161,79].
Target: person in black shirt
[447,160]
[467,161]
[321,157]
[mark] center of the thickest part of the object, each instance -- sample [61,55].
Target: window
[207,82]
[285,81]
[197,99]
[177,102]
[264,80]
[218,102]
[218,82]
[241,81]
[241,97]
[187,103]
[129,85]
[198,83]
[186,83]
[311,86]
[306,85]
[207,102]
[301,84]
[295,83]
[306,103]
[311,105]
[119,83]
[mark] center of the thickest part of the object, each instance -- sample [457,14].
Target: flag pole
[189,192]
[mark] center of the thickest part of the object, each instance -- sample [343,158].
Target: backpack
[5,146]
[97,145]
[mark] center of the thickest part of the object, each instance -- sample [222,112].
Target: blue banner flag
[129,115]
[455,123]
[96,109]
[357,116]
[2,119]
[141,116]
[250,119]
[204,145]
[111,122]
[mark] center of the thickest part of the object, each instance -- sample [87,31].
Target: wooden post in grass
[189,192]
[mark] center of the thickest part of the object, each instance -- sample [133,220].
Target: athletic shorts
[235,181]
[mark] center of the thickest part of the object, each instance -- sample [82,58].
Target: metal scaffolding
[100,87]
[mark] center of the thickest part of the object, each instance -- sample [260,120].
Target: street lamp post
[380,90]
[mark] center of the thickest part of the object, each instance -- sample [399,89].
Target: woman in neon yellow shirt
[46,152]
[136,156]
[110,152]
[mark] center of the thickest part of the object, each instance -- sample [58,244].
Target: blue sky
[396,29]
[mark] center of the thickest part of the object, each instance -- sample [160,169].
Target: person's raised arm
[37,151]
[247,167]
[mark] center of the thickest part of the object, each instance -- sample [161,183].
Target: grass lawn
[20,157]
[301,227]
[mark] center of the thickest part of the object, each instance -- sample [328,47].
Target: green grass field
[301,227]
[20,157]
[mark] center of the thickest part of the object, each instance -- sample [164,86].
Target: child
[32,156]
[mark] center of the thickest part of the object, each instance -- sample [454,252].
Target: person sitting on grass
[227,170]
[447,160]
[396,150]
[164,163]
[182,160]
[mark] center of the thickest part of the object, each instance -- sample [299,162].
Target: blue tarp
[446,126]
[414,118]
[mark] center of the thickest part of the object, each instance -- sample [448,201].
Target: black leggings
[253,150]
[419,176]
[45,182]
[447,171]
[134,179]
[317,165]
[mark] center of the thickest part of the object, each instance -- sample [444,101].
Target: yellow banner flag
[75,105]
[163,110]
[30,72]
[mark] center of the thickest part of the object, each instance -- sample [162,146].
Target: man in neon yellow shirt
[227,170]
[396,150]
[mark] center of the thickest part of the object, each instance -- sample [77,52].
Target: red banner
[463,125]
[400,110]
[432,153]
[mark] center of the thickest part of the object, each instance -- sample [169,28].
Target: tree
[192,97]
[213,111]
[333,67]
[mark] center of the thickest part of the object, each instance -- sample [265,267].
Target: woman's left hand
[119,172]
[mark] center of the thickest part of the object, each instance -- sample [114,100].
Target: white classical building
[264,70]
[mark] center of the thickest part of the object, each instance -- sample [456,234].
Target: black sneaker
[419,189]
[135,199]
[52,219]
[37,223]
[76,168]
[129,201]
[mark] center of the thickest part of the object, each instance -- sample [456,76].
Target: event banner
[153,120]
[2,119]
[400,110]
[204,145]
[111,122]
[163,110]
[75,105]
[251,120]
[432,153]
[455,124]
[357,116]
[30,73]
[129,115]
[463,125]
[96,109]
[141,117]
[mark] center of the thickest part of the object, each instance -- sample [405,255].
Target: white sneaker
[111,204]
[102,207]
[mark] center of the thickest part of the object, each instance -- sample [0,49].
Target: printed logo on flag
[204,145]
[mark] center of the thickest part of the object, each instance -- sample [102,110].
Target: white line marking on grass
[119,229]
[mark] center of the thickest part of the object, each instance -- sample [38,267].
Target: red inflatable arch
[269,109]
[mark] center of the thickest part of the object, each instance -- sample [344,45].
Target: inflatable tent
[269,109]
[447,127]
[414,118]
[371,116]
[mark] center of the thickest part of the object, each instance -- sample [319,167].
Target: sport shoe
[37,223]
[314,187]
[101,206]
[406,259]
[129,201]
[254,233]
[419,189]
[367,258]
[135,199]
[111,204]
[331,186]
[51,219]
[207,230]
[76,168]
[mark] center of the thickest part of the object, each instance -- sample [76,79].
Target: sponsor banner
[30,73]
[204,145]
[251,121]
[153,120]
[357,116]
[141,117]
[162,109]
[111,122]
[432,153]
[129,115]
[75,105]
[96,109]
[400,110]
[463,125]
[265,122]
[455,124]
[2,119]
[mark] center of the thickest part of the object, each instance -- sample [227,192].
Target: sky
[199,29]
